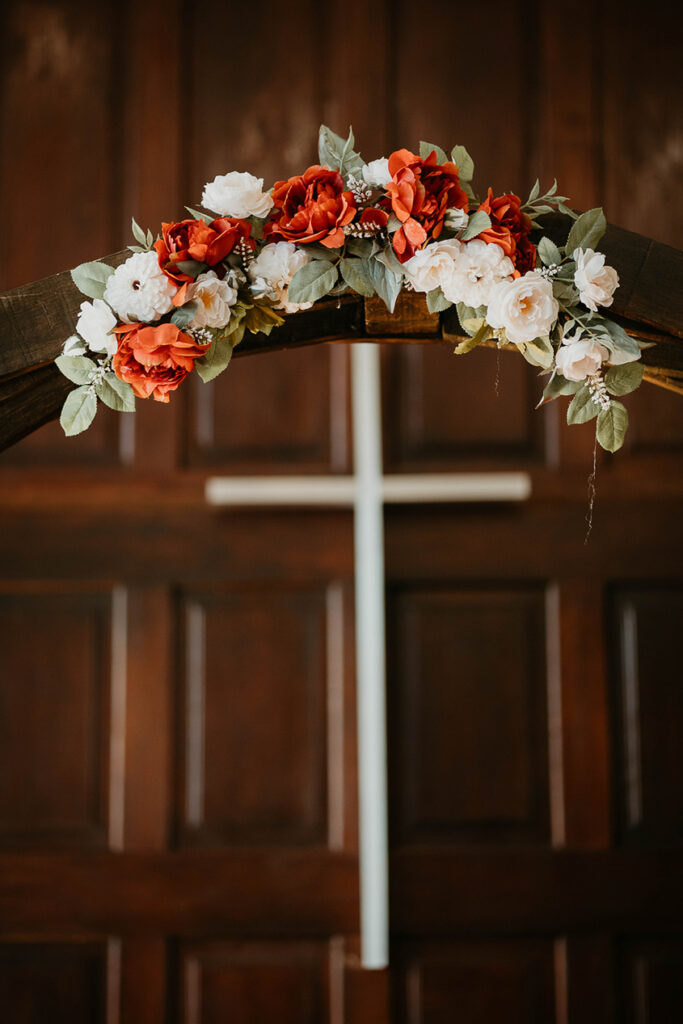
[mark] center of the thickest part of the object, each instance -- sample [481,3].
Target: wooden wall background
[177,781]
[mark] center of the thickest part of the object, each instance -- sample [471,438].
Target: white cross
[367,490]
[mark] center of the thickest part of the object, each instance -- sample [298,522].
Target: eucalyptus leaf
[387,284]
[351,162]
[116,393]
[549,253]
[78,411]
[358,276]
[77,369]
[312,281]
[216,359]
[621,380]
[582,408]
[138,234]
[586,231]
[184,315]
[612,426]
[623,348]
[391,261]
[198,215]
[426,148]
[478,222]
[536,188]
[91,278]
[464,162]
[330,146]
[437,301]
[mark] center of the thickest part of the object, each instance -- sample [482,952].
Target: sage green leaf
[612,426]
[426,148]
[330,147]
[138,234]
[386,283]
[359,246]
[549,252]
[437,301]
[483,334]
[538,352]
[116,393]
[582,408]
[78,369]
[351,161]
[391,261]
[357,274]
[184,315]
[190,267]
[623,348]
[470,319]
[565,293]
[91,278]
[536,188]
[78,411]
[312,281]
[216,359]
[261,318]
[478,222]
[586,231]
[621,380]
[559,385]
[198,215]
[464,162]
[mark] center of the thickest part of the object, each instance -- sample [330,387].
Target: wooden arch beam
[36,319]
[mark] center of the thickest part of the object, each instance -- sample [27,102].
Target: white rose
[456,219]
[214,297]
[237,194]
[139,290]
[525,307]
[577,358]
[433,266]
[480,267]
[596,282]
[272,271]
[377,172]
[95,324]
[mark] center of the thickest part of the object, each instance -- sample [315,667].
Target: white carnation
[577,358]
[480,267]
[214,298]
[237,194]
[525,307]
[377,172]
[433,266]
[596,282]
[95,324]
[139,291]
[272,271]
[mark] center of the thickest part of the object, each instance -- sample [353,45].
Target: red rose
[312,207]
[155,360]
[510,229]
[195,240]
[420,192]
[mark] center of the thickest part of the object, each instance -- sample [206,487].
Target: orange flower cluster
[155,360]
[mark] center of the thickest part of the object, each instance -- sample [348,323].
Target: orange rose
[155,360]
[195,240]
[510,229]
[420,192]
[312,207]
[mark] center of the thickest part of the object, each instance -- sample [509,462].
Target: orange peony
[311,207]
[420,192]
[155,360]
[510,229]
[195,240]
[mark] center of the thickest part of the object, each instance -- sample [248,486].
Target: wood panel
[249,983]
[45,982]
[648,714]
[468,718]
[476,983]
[54,716]
[255,693]
[652,981]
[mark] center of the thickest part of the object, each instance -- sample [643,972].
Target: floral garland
[183,301]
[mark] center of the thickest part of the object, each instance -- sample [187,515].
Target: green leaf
[359,247]
[565,293]
[116,393]
[386,283]
[549,252]
[437,301]
[470,319]
[78,369]
[582,408]
[78,411]
[426,148]
[464,162]
[91,278]
[190,267]
[184,315]
[216,359]
[623,348]
[358,276]
[312,281]
[350,162]
[138,234]
[534,191]
[621,380]
[478,222]
[483,334]
[612,426]
[261,319]
[198,215]
[559,385]
[337,153]
[538,352]
[586,231]
[391,261]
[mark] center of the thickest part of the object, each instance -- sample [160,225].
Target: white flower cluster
[465,271]
[272,271]
[214,298]
[237,194]
[139,291]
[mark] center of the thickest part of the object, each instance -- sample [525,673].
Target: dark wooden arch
[36,319]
